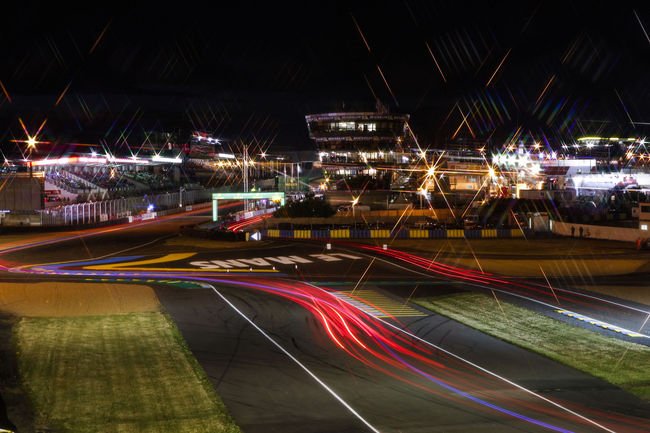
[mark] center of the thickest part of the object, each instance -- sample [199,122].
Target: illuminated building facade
[359,137]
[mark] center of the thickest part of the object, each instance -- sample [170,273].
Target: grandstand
[79,178]
[76,177]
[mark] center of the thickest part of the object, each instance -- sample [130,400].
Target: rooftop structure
[358,136]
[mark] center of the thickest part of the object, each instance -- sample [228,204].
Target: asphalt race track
[297,337]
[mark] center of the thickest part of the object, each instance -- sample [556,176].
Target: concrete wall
[375,199]
[438,214]
[599,232]
[19,193]
[20,220]
[338,220]
[382,216]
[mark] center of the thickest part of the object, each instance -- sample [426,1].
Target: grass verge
[125,373]
[619,362]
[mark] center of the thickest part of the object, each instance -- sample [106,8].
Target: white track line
[300,364]
[483,369]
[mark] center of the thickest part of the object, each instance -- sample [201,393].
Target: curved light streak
[538,293]
[392,352]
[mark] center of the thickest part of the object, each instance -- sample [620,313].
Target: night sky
[250,71]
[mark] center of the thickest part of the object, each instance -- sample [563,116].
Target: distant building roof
[356,115]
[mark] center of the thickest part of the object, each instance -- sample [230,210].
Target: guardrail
[398,234]
[109,210]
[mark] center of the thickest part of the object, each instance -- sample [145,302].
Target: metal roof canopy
[273,195]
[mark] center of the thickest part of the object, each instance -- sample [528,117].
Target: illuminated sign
[274,196]
[132,160]
[158,158]
[247,195]
[71,160]
[591,138]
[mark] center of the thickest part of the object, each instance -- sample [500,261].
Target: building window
[367,127]
[342,126]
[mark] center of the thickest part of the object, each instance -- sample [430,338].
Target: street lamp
[180,196]
[354,203]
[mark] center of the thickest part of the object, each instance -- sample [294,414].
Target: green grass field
[120,373]
[618,362]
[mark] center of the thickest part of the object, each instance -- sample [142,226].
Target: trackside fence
[117,209]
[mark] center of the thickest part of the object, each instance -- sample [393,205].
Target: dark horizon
[253,71]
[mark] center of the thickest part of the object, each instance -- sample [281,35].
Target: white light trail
[436,62]
[498,67]
[642,26]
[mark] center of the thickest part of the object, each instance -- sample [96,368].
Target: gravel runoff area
[101,357]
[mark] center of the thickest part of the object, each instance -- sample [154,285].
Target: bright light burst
[32,139]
